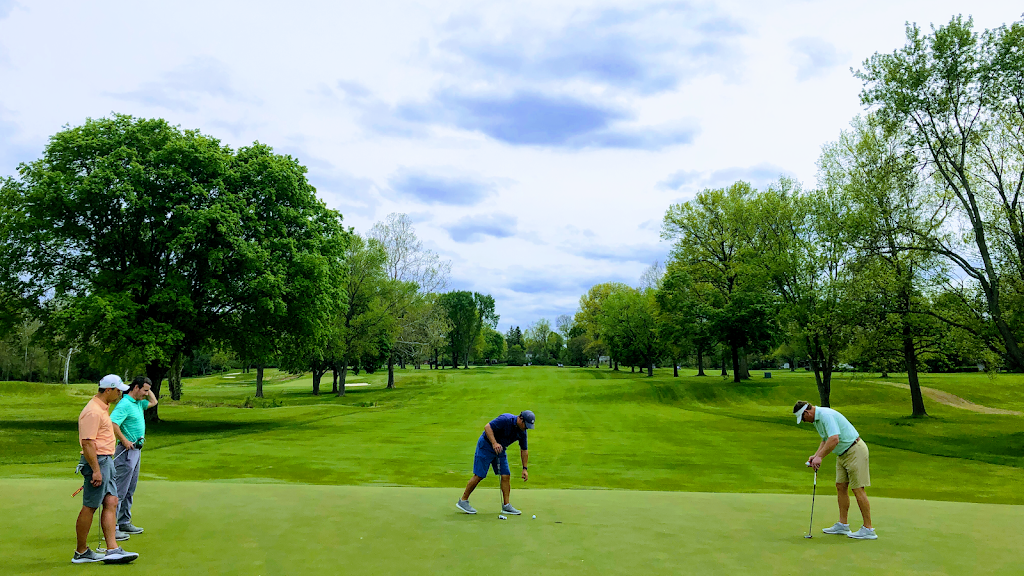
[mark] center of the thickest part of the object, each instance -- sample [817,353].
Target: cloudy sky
[535,144]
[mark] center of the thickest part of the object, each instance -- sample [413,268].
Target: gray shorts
[92,496]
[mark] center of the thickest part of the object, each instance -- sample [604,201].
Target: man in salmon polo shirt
[96,436]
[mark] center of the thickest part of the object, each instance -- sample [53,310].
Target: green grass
[232,528]
[651,440]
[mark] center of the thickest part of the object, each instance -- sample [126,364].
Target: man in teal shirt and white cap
[130,428]
[852,473]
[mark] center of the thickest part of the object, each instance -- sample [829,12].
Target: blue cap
[528,417]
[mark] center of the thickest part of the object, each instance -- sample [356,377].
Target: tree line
[134,245]
[908,254]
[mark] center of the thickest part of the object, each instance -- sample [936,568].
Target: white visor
[800,413]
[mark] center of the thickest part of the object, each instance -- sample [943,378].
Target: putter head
[808,536]
[502,517]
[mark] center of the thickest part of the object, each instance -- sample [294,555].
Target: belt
[851,446]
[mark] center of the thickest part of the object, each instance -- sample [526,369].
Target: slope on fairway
[236,528]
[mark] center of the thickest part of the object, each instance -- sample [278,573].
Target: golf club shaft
[814,493]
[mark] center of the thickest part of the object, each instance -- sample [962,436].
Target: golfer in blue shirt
[497,436]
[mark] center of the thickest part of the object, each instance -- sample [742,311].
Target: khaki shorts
[852,467]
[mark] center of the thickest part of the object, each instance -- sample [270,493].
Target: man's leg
[506,486]
[471,486]
[122,465]
[862,502]
[108,520]
[124,506]
[82,527]
[843,493]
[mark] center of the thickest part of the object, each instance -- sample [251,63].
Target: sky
[534,144]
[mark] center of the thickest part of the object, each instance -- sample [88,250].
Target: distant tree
[713,239]
[366,327]
[494,345]
[588,317]
[409,262]
[464,318]
[516,355]
[630,322]
[514,337]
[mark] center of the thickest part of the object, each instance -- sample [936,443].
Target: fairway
[230,528]
[629,475]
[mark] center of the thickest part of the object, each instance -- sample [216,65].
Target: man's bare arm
[89,451]
[490,438]
[827,446]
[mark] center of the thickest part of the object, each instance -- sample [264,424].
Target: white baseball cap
[113,381]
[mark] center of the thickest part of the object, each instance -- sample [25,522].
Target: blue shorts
[486,458]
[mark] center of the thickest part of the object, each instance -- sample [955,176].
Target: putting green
[238,528]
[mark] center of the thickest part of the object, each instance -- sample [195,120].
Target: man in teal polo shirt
[852,472]
[130,429]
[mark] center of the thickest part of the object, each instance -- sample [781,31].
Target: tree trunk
[341,379]
[792,364]
[675,367]
[650,368]
[744,369]
[174,378]
[155,372]
[823,378]
[910,358]
[724,371]
[259,380]
[467,360]
[318,372]
[335,370]
[616,365]
[391,370]
[736,373]
[700,361]
[632,369]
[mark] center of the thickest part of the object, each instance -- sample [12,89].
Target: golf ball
[534,516]
[500,517]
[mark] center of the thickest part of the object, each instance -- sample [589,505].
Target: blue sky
[535,144]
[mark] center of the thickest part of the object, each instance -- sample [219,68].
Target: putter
[501,495]
[813,493]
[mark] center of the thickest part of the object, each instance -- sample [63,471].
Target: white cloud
[561,130]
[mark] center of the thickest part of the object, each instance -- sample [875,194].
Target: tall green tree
[366,328]
[714,241]
[128,232]
[959,97]
[292,247]
[877,174]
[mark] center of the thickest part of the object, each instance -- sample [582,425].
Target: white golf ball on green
[534,516]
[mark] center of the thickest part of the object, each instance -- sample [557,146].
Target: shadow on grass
[40,425]
[211,426]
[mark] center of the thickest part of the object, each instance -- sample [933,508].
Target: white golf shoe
[864,533]
[837,528]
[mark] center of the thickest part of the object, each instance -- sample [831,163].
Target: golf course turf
[628,475]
